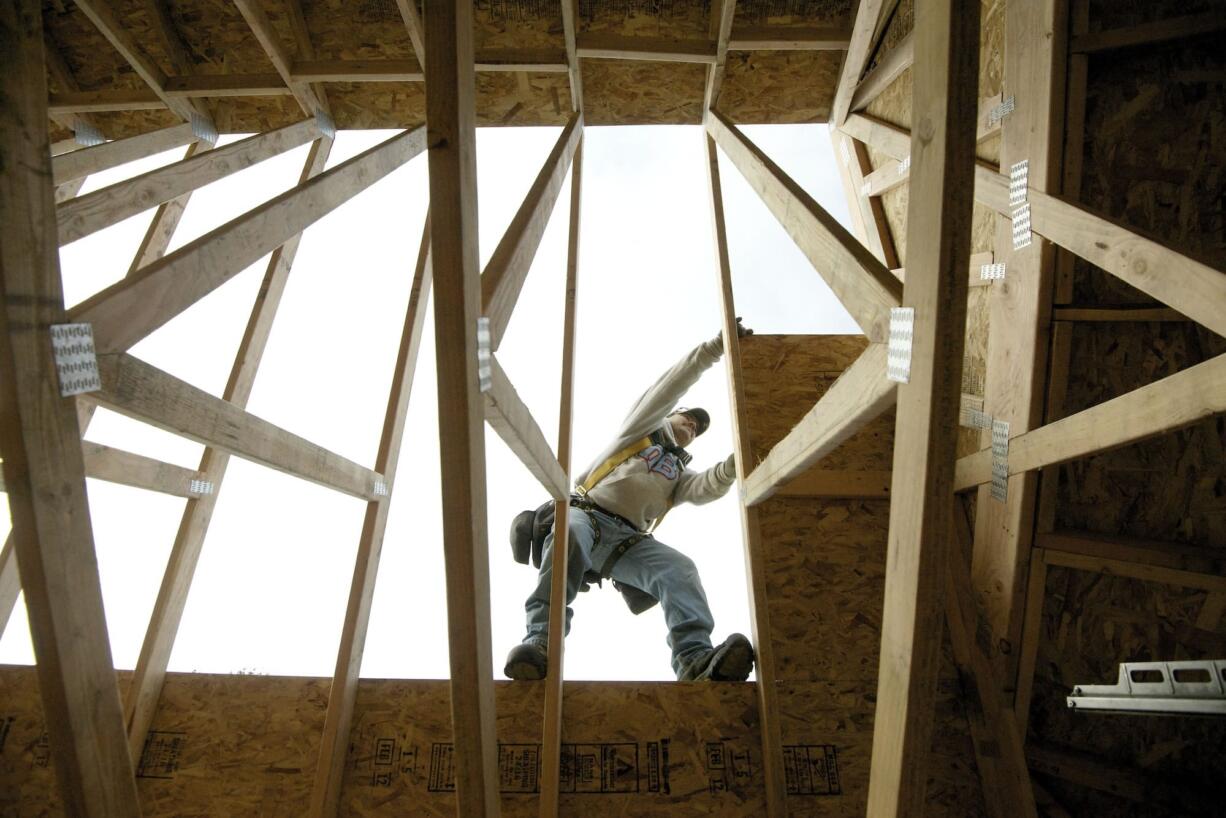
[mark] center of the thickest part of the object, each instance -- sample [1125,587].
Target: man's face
[685,429]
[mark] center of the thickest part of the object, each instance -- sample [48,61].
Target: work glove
[741,332]
[726,472]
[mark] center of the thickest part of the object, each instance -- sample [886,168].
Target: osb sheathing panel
[780,86]
[247,745]
[1091,623]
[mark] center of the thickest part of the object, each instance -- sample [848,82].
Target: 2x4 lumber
[885,72]
[270,41]
[715,72]
[505,272]
[974,272]
[751,535]
[999,755]
[129,310]
[164,223]
[551,731]
[41,443]
[227,85]
[136,389]
[1185,284]
[1158,31]
[1211,583]
[601,45]
[334,745]
[510,418]
[102,15]
[870,207]
[450,112]
[172,44]
[771,38]
[944,103]
[1132,314]
[859,396]
[59,71]
[121,99]
[90,213]
[412,24]
[145,687]
[570,13]
[858,279]
[129,469]
[356,71]
[893,141]
[1032,631]
[1179,556]
[1178,400]
[852,485]
[862,29]
[86,161]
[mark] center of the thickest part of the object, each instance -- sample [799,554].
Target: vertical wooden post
[451,138]
[40,441]
[938,252]
[755,558]
[551,738]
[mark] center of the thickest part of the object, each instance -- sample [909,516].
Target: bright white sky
[270,591]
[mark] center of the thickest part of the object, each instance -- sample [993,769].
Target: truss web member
[622,496]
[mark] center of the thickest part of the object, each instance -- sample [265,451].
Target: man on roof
[621,497]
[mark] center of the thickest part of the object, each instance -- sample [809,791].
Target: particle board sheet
[1092,622]
[230,745]
[780,86]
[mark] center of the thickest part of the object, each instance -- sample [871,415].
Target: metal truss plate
[1000,460]
[1019,182]
[381,488]
[86,135]
[484,368]
[200,486]
[898,354]
[1187,687]
[76,363]
[992,272]
[325,124]
[1001,111]
[1021,227]
[904,167]
[204,129]
[976,419]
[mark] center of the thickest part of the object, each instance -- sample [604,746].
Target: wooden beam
[1178,400]
[884,73]
[41,443]
[602,45]
[412,24]
[1179,556]
[61,74]
[510,418]
[227,85]
[1099,314]
[861,282]
[872,211]
[253,12]
[1158,31]
[1148,572]
[306,51]
[145,687]
[778,38]
[356,71]
[450,94]
[1032,631]
[164,223]
[751,536]
[850,485]
[715,72]
[996,739]
[860,394]
[551,732]
[124,99]
[1185,284]
[974,274]
[893,141]
[86,161]
[117,466]
[570,13]
[334,746]
[90,213]
[102,15]
[10,581]
[939,208]
[505,272]
[130,309]
[862,28]
[160,20]
[134,388]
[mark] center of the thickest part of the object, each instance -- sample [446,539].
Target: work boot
[527,662]
[728,662]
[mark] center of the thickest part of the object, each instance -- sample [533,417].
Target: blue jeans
[650,565]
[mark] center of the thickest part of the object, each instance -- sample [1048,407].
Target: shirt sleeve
[704,486]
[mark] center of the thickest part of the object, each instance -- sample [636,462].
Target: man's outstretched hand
[741,330]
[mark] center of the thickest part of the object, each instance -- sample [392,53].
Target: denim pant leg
[582,536]
[672,578]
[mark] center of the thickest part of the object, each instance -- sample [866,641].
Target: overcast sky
[270,590]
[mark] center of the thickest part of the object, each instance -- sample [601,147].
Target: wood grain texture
[865,23]
[95,159]
[510,417]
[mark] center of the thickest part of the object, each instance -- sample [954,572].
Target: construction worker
[632,484]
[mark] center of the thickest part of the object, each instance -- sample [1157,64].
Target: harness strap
[625,545]
[615,460]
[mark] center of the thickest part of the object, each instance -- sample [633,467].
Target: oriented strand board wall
[826,567]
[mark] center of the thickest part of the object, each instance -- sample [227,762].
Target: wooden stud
[601,45]
[858,397]
[59,71]
[450,114]
[306,51]
[130,309]
[852,485]
[41,445]
[102,208]
[134,388]
[412,23]
[715,73]
[356,71]
[505,272]
[867,13]
[890,68]
[926,430]
[334,746]
[1099,314]
[858,279]
[893,141]
[145,688]
[86,161]
[872,211]
[755,557]
[1158,31]
[261,26]
[974,279]
[1032,632]
[551,733]
[1212,583]
[570,15]
[773,38]
[510,418]
[164,223]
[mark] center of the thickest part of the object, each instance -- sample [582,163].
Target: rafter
[715,73]
[862,29]
[83,162]
[507,414]
[261,26]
